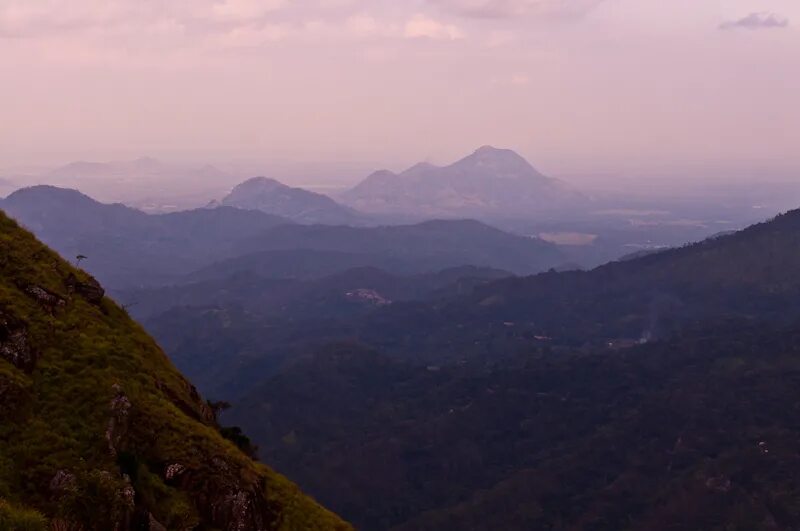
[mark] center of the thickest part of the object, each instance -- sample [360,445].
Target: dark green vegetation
[229,332]
[354,291]
[232,333]
[699,432]
[529,403]
[99,431]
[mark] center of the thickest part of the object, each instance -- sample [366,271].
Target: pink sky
[574,85]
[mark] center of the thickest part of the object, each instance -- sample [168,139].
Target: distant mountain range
[127,248]
[489,182]
[297,204]
[146,183]
[423,247]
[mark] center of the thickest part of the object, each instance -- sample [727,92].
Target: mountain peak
[261,182]
[421,167]
[494,163]
[46,192]
[487,149]
[300,205]
[490,153]
[490,181]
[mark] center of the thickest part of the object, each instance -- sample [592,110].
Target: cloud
[149,30]
[513,8]
[362,24]
[245,9]
[20,18]
[421,26]
[755,21]
[253,37]
[31,18]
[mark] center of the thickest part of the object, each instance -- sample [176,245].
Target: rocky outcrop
[15,345]
[63,482]
[196,407]
[46,298]
[117,427]
[229,501]
[90,289]
[173,471]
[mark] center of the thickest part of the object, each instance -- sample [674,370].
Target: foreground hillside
[99,431]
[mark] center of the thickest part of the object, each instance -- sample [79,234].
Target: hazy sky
[574,85]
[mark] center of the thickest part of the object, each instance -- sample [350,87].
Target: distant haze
[332,89]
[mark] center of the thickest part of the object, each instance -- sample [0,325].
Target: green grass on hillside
[54,419]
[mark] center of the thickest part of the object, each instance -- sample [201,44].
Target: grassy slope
[56,416]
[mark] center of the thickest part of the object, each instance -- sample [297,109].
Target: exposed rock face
[173,471]
[240,510]
[90,289]
[14,344]
[230,501]
[197,408]
[45,298]
[63,482]
[117,428]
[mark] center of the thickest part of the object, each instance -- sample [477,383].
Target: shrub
[19,519]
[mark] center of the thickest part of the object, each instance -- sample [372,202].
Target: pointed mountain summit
[490,182]
[99,431]
[303,206]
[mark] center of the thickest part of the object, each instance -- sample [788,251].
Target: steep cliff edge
[98,430]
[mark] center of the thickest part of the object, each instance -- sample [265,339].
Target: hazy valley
[439,366]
